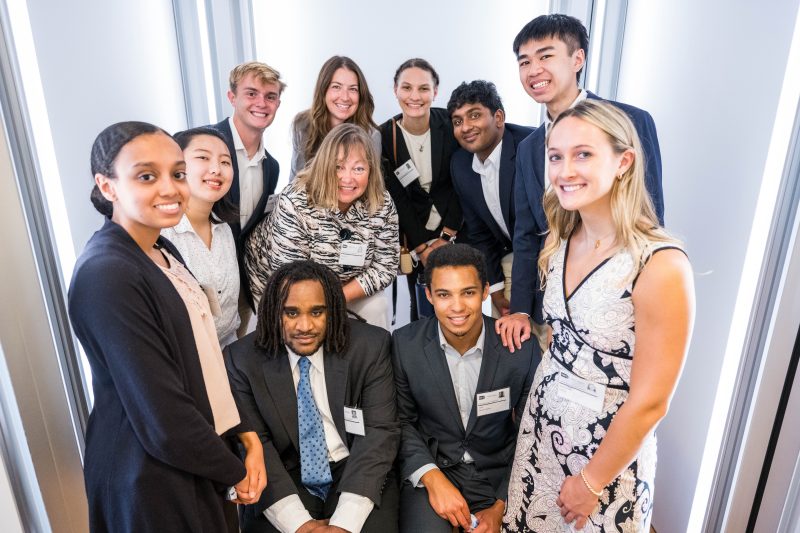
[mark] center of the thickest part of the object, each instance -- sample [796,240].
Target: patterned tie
[315,472]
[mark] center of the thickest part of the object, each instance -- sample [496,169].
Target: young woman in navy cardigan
[154,457]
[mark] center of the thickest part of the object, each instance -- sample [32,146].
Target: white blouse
[214,268]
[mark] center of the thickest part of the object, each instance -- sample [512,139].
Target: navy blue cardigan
[153,460]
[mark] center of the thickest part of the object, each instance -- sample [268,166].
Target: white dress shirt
[251,175]
[548,123]
[464,372]
[215,268]
[489,171]
[352,510]
[422,160]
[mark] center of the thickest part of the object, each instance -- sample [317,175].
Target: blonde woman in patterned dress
[619,301]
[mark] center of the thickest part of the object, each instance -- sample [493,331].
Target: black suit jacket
[153,459]
[412,202]
[531,223]
[428,410]
[270,169]
[361,377]
[480,228]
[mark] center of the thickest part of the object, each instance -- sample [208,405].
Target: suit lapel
[538,187]
[225,128]
[507,157]
[437,144]
[280,384]
[336,384]
[489,363]
[257,215]
[438,367]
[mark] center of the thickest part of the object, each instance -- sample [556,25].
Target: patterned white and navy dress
[593,338]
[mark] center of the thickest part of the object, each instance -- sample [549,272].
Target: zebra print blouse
[294,231]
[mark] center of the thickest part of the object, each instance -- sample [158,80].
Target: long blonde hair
[319,176]
[637,227]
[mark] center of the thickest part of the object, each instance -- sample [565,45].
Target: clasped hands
[447,501]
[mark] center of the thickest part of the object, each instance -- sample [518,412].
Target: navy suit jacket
[480,228]
[531,224]
[432,429]
[270,169]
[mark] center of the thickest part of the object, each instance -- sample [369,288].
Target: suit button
[445,462]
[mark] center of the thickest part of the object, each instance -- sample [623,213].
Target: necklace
[597,242]
[413,139]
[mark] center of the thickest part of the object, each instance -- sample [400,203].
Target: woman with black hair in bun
[154,457]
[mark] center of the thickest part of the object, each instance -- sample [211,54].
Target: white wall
[103,61]
[9,515]
[462,40]
[710,73]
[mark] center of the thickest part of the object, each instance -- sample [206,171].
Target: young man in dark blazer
[460,395]
[255,94]
[483,177]
[551,53]
[318,389]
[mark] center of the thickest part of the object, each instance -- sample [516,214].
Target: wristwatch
[447,237]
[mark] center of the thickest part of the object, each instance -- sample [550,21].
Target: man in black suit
[483,177]
[318,389]
[255,94]
[460,395]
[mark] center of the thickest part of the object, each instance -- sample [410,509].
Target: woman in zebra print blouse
[337,213]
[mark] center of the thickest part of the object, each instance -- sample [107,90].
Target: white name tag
[493,402]
[272,201]
[354,421]
[406,173]
[213,301]
[352,254]
[581,391]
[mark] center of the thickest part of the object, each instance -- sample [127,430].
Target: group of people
[539,418]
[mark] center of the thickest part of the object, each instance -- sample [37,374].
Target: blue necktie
[315,472]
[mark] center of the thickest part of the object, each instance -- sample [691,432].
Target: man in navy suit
[460,397]
[483,177]
[551,53]
[255,94]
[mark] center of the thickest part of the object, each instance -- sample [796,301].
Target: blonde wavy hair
[319,176]
[632,211]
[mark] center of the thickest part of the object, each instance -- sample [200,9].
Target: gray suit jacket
[361,377]
[426,403]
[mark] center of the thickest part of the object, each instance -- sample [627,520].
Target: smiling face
[209,169]
[352,173]
[415,91]
[149,188]
[304,317]
[341,98]
[547,72]
[477,129]
[457,297]
[254,103]
[584,165]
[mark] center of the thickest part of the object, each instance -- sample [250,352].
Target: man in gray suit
[460,395]
[317,387]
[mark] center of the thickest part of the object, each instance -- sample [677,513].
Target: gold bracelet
[586,482]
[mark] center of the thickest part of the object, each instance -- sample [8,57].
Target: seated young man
[317,387]
[460,394]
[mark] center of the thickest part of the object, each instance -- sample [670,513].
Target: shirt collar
[239,145]
[184,226]
[491,162]
[478,347]
[581,97]
[315,359]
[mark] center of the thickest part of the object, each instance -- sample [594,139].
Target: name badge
[493,402]
[406,173]
[586,393]
[354,421]
[213,301]
[352,253]
[272,201]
